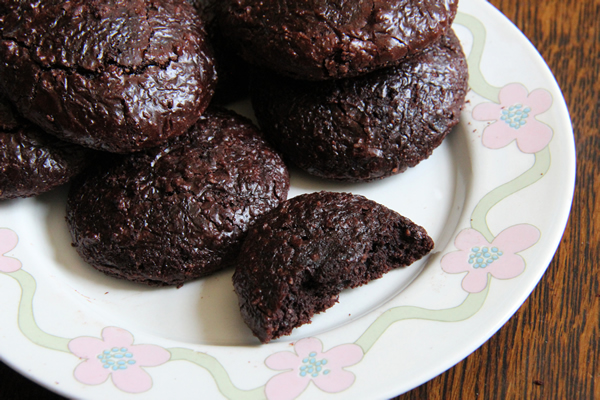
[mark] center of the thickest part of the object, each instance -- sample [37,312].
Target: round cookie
[31,161]
[321,39]
[368,127]
[171,214]
[114,75]
[298,258]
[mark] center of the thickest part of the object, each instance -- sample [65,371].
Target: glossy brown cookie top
[167,215]
[31,161]
[322,39]
[115,75]
[367,127]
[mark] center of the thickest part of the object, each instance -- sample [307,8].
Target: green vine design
[477,81]
[26,320]
[469,307]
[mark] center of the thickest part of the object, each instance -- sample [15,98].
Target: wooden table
[550,349]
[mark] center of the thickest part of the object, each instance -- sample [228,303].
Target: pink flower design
[8,241]
[310,363]
[478,257]
[115,355]
[515,119]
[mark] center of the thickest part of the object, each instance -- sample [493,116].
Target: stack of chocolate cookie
[175,184]
[353,90]
[347,90]
[110,75]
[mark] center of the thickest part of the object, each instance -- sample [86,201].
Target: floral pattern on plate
[478,257]
[515,119]
[308,364]
[117,356]
[8,241]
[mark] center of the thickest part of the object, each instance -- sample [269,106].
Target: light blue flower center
[312,367]
[116,358]
[515,116]
[481,257]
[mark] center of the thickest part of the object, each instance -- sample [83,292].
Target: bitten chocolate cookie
[167,215]
[319,39]
[297,258]
[31,161]
[368,127]
[114,75]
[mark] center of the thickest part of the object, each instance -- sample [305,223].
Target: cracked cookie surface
[167,215]
[31,161]
[114,75]
[323,39]
[368,127]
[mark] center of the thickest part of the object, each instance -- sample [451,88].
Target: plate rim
[557,234]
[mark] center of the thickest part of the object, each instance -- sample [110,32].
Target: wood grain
[550,349]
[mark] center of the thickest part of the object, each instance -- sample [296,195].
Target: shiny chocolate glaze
[114,75]
[324,39]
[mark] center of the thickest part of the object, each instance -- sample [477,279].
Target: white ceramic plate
[490,185]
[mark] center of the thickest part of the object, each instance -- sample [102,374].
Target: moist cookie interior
[298,257]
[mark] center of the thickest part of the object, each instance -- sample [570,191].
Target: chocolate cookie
[31,161]
[167,215]
[115,75]
[298,258]
[320,39]
[367,127]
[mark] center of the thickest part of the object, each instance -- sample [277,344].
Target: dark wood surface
[550,349]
